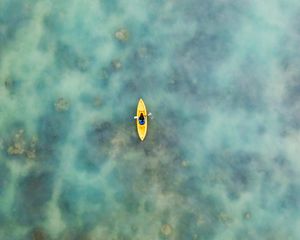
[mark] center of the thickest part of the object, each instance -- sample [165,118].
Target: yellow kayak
[141,121]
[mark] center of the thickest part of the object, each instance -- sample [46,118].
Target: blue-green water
[221,159]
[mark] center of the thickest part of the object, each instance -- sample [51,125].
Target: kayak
[141,129]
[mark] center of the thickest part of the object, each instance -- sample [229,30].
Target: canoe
[141,129]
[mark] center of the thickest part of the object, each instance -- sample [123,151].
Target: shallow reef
[221,156]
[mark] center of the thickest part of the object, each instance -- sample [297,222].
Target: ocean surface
[222,156]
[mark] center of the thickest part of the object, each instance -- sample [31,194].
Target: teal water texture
[221,159]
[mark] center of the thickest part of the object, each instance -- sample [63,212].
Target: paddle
[149,115]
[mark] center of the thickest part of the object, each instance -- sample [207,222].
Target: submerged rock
[116,64]
[122,35]
[18,145]
[21,147]
[166,229]
[62,105]
[31,151]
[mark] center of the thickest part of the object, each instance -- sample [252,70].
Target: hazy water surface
[221,159]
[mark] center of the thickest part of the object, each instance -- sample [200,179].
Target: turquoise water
[221,159]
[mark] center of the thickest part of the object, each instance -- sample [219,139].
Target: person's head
[142,115]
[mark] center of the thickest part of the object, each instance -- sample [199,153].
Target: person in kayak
[142,119]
